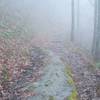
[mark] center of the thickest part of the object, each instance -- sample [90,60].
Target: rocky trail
[85,74]
[55,71]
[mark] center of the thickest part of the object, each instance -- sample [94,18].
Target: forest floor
[22,63]
[85,73]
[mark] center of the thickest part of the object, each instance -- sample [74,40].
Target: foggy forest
[49,49]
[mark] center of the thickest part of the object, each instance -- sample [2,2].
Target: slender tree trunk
[72,25]
[95,28]
[78,14]
[96,39]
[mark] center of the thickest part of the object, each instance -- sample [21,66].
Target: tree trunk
[96,39]
[72,25]
[78,14]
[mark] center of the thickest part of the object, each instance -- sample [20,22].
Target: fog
[52,18]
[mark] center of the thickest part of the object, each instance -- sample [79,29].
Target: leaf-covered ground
[85,73]
[26,66]
[21,68]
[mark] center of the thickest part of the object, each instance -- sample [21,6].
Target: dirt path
[85,75]
[54,82]
[84,72]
